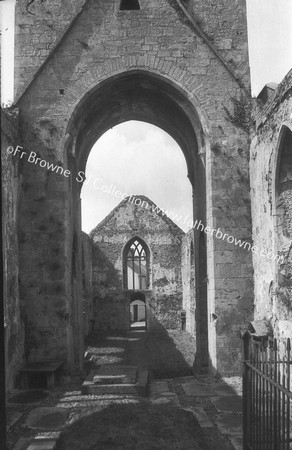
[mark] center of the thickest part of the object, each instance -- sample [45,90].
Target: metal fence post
[266,394]
[245,388]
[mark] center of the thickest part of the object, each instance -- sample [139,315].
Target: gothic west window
[136,265]
[128,5]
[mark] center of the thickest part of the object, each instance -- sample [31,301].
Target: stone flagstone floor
[215,404]
[37,417]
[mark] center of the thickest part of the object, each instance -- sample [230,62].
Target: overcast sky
[135,158]
[131,154]
[270,41]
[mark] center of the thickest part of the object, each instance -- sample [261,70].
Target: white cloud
[136,158]
[270,41]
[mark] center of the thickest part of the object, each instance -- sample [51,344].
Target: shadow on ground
[181,412]
[143,426]
[166,354]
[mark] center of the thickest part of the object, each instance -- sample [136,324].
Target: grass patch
[132,427]
[170,354]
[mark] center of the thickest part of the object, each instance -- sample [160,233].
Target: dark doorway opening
[137,312]
[128,5]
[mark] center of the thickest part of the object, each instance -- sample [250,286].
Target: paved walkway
[216,404]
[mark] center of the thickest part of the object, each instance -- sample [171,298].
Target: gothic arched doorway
[147,97]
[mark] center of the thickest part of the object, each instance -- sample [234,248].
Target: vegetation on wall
[241,116]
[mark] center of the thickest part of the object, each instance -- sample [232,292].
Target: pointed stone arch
[139,95]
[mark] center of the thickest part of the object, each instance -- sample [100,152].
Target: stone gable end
[100,39]
[128,215]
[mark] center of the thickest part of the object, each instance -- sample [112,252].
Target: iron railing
[267,396]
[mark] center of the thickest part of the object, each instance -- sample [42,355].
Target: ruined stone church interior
[207,274]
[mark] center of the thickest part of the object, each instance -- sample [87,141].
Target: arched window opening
[128,5]
[137,263]
[283,196]
[284,179]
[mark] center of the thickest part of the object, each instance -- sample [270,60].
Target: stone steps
[122,381]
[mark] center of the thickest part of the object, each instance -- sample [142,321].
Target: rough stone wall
[224,23]
[38,29]
[87,283]
[14,327]
[37,34]
[111,297]
[43,282]
[270,230]
[101,43]
[189,282]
